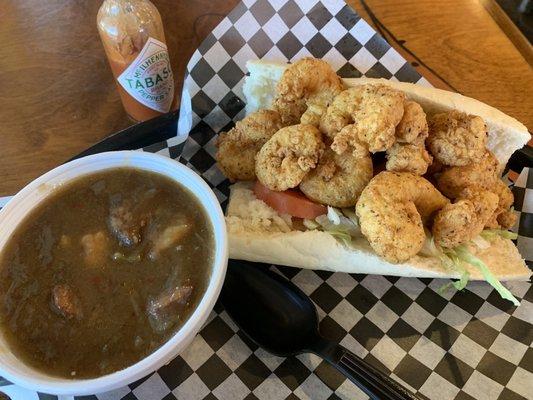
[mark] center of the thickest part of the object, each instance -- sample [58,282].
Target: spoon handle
[369,379]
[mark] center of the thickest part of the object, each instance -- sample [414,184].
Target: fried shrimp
[338,180]
[392,210]
[235,160]
[408,158]
[365,113]
[258,126]
[238,147]
[503,216]
[454,180]
[413,127]
[505,220]
[409,153]
[485,202]
[288,156]
[456,138]
[463,220]
[305,90]
[484,174]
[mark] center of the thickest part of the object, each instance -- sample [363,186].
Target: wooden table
[57,95]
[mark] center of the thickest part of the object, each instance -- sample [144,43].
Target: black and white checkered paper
[460,345]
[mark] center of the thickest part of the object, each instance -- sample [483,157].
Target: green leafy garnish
[491,233]
[311,224]
[344,237]
[453,259]
[430,249]
[337,224]
[452,262]
[351,215]
[464,254]
[463,280]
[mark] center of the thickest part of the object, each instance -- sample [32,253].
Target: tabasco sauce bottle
[134,41]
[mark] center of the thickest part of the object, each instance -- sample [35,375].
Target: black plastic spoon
[280,318]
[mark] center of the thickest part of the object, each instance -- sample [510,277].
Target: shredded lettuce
[464,254]
[429,248]
[453,263]
[334,215]
[458,285]
[336,221]
[449,260]
[463,281]
[454,259]
[458,266]
[337,224]
[344,237]
[491,233]
[481,242]
[339,232]
[352,216]
[346,219]
[311,224]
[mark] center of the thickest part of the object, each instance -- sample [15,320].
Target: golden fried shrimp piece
[368,114]
[454,180]
[392,210]
[238,147]
[456,138]
[505,220]
[463,220]
[287,156]
[305,90]
[485,202]
[503,217]
[453,223]
[408,158]
[413,127]
[258,126]
[236,160]
[338,180]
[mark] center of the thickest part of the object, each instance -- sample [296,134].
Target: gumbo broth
[102,273]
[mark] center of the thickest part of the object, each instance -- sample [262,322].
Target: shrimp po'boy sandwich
[370,176]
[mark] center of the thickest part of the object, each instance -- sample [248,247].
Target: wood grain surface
[57,95]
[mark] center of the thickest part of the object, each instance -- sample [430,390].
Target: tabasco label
[149,77]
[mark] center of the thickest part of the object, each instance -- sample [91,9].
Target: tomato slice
[290,202]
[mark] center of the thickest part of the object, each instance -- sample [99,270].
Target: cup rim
[180,339]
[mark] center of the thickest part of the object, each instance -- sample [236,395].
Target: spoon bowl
[276,315]
[279,318]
